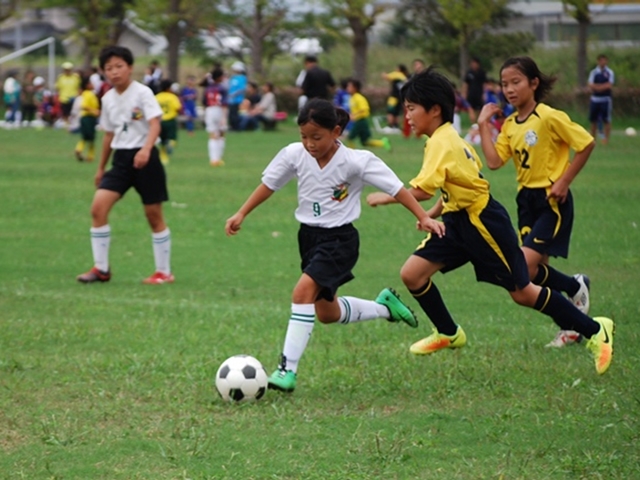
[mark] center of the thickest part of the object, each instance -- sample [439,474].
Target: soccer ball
[241,378]
[630,132]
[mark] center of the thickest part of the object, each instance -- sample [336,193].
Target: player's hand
[141,159]
[559,191]
[98,178]
[488,111]
[233,224]
[377,198]
[430,225]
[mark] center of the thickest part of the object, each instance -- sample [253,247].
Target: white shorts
[215,119]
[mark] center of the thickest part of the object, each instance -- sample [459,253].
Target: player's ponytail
[323,113]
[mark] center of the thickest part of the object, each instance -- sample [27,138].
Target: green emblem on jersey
[340,192]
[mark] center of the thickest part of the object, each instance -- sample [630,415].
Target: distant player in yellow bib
[171,108]
[539,138]
[89,113]
[360,113]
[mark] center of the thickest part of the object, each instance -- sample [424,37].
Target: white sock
[298,333]
[212,149]
[220,148]
[162,251]
[354,310]
[100,241]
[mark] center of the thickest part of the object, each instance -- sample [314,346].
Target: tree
[7,9]
[450,31]
[360,16]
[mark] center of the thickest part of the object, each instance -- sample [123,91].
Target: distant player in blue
[476,230]
[188,97]
[601,80]
[341,99]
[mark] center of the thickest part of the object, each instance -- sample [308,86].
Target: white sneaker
[581,298]
[563,338]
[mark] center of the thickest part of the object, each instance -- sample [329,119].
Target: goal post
[50,41]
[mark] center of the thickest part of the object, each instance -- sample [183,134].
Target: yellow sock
[91,153]
[80,146]
[164,158]
[375,143]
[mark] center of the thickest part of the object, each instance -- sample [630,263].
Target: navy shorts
[486,239]
[600,111]
[544,225]
[150,182]
[328,255]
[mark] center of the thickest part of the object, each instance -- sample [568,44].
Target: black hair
[324,114]
[84,82]
[217,74]
[115,51]
[269,85]
[602,55]
[254,85]
[165,84]
[357,84]
[529,69]
[310,59]
[429,88]
[403,68]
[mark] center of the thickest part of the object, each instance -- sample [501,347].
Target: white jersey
[329,197]
[128,114]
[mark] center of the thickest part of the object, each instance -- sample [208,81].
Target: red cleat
[159,278]
[94,275]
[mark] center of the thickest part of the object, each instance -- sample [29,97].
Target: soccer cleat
[601,344]
[398,311]
[216,163]
[79,156]
[159,278]
[94,275]
[563,338]
[581,299]
[438,341]
[282,380]
[386,144]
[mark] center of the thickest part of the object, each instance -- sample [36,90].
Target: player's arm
[425,222]
[142,156]
[559,190]
[484,124]
[104,156]
[380,198]
[259,196]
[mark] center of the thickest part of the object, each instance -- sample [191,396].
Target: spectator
[27,99]
[396,79]
[264,111]
[237,90]
[11,91]
[318,82]
[472,88]
[188,97]
[68,87]
[461,105]
[601,80]
[251,99]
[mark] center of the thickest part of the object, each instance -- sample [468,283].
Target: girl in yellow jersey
[477,229]
[89,113]
[539,138]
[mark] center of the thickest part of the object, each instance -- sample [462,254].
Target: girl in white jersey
[330,179]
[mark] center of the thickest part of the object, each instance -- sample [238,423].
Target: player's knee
[325,317]
[410,280]
[523,298]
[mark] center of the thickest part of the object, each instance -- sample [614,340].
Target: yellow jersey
[453,166]
[89,103]
[68,86]
[359,106]
[170,105]
[540,145]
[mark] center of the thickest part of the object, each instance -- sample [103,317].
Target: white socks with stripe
[100,242]
[354,310]
[162,251]
[298,333]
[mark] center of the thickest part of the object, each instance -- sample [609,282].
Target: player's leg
[416,274]
[599,331]
[215,125]
[103,201]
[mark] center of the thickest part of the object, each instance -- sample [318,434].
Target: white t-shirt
[329,197]
[128,114]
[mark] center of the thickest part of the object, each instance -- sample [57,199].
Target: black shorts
[328,255]
[486,239]
[150,182]
[66,107]
[168,130]
[544,225]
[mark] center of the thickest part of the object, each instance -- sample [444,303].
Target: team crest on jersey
[531,138]
[340,192]
[136,114]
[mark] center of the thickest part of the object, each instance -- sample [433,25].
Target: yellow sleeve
[396,75]
[562,128]
[503,145]
[432,174]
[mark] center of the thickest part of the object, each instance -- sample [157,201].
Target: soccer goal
[34,46]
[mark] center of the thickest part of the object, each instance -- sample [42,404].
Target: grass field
[115,381]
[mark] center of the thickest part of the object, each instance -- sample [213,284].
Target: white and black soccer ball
[241,378]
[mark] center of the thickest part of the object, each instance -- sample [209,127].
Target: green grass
[115,381]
